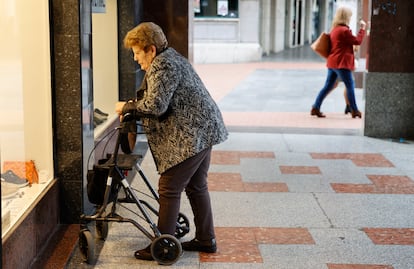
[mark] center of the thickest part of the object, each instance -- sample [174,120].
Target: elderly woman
[341,61]
[182,123]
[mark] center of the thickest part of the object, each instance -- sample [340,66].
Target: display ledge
[100,129]
[15,208]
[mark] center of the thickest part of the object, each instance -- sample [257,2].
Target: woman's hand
[118,107]
[362,24]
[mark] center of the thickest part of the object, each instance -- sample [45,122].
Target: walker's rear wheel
[166,249]
[183,226]
[86,245]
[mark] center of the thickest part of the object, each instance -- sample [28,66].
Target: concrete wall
[219,40]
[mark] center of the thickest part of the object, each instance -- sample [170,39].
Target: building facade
[244,30]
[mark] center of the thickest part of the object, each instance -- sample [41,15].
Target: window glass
[26,147]
[216,8]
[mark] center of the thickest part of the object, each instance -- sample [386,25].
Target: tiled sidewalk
[362,203]
[280,204]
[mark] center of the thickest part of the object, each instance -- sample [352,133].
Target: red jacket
[342,51]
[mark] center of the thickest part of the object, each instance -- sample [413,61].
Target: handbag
[322,45]
[23,169]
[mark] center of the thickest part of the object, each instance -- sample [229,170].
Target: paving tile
[236,245]
[265,187]
[358,266]
[257,154]
[389,184]
[229,182]
[225,157]
[391,236]
[241,244]
[393,184]
[370,160]
[283,236]
[239,252]
[233,157]
[359,159]
[304,170]
[353,188]
[232,182]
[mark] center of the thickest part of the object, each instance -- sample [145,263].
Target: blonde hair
[144,35]
[342,16]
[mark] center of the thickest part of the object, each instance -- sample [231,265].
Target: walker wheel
[183,226]
[101,229]
[166,249]
[86,245]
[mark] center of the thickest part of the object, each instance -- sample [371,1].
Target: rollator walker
[165,249]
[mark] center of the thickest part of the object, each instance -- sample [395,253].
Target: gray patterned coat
[184,119]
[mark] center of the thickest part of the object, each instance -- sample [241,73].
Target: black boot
[347,109]
[205,246]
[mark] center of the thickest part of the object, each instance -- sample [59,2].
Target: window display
[26,141]
[216,8]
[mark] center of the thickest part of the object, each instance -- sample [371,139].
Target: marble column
[389,109]
[73,97]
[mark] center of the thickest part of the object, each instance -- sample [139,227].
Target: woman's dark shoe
[347,109]
[201,246]
[317,113]
[144,254]
[356,113]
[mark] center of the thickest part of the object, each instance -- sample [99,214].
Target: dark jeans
[346,77]
[191,176]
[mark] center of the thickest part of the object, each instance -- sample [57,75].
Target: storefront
[61,62]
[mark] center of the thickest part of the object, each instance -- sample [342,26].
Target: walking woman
[340,61]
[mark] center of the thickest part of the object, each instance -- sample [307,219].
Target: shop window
[216,8]
[105,66]
[26,146]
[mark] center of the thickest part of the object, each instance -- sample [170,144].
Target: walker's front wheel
[86,245]
[166,249]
